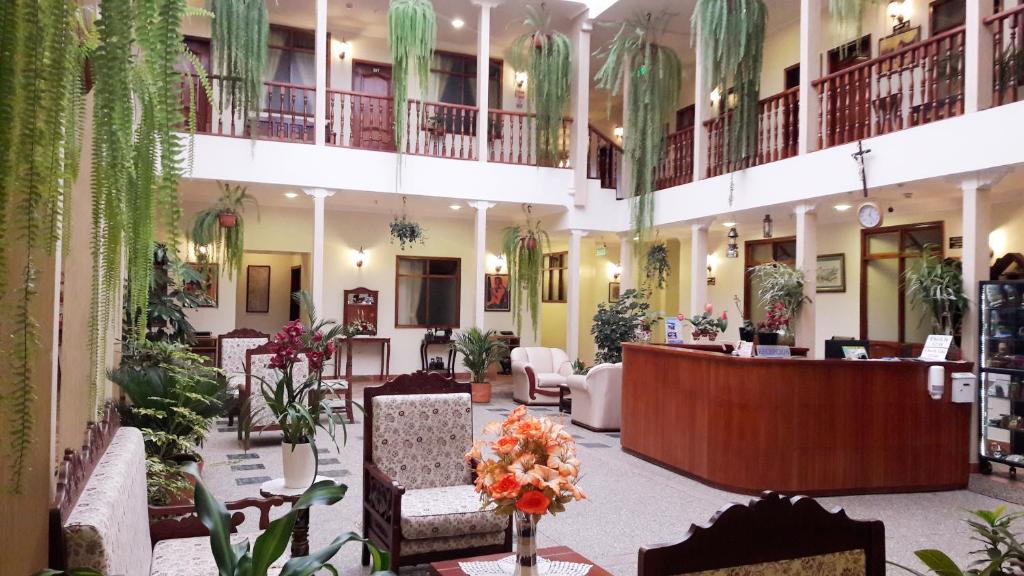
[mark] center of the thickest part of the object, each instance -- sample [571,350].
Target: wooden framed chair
[419,502]
[338,388]
[231,348]
[258,370]
[773,535]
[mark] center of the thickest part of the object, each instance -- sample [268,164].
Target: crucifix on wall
[858,156]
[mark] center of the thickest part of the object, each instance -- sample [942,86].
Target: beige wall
[281,265]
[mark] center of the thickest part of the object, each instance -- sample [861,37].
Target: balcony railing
[287,114]
[915,85]
[777,134]
[511,139]
[604,159]
[677,166]
[1007,54]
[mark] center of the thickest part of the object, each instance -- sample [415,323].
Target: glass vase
[526,544]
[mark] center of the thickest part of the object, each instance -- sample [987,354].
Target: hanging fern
[848,17]
[523,246]
[731,36]
[221,228]
[545,55]
[412,32]
[656,265]
[241,29]
[655,77]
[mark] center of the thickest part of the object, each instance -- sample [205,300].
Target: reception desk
[813,427]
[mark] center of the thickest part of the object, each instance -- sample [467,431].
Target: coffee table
[300,531]
[559,553]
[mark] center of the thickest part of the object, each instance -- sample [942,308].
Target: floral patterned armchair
[258,371]
[419,502]
[231,348]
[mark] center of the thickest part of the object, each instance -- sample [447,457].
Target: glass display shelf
[1001,373]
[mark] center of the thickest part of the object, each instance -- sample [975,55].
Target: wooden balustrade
[1007,54]
[604,158]
[287,113]
[441,130]
[677,166]
[777,134]
[511,139]
[915,85]
[356,120]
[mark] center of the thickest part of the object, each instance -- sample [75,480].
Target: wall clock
[869,215]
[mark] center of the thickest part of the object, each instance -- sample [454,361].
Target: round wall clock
[869,215]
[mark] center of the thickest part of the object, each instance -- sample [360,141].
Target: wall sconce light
[520,91]
[521,78]
[359,257]
[499,264]
[619,132]
[766,225]
[715,96]
[202,253]
[617,272]
[343,49]
[733,250]
[899,12]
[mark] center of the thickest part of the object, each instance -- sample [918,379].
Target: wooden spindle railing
[441,130]
[511,140]
[356,120]
[676,167]
[287,110]
[777,134]
[1007,54]
[604,158]
[915,85]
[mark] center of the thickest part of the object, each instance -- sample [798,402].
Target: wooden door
[295,285]
[372,115]
[192,93]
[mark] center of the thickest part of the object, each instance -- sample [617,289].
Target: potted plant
[625,320]
[656,264]
[221,228]
[781,293]
[523,246]
[705,325]
[579,368]
[479,351]
[747,327]
[1001,553]
[406,232]
[935,286]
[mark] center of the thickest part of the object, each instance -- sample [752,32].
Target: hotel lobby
[715,287]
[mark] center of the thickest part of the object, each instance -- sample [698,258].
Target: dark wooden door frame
[748,247]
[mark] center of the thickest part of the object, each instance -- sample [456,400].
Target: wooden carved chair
[258,371]
[419,503]
[773,535]
[231,348]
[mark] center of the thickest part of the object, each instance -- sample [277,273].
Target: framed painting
[613,291]
[496,294]
[257,289]
[206,281]
[831,274]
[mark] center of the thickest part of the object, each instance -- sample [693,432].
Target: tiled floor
[631,502]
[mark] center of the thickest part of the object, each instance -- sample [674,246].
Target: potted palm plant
[935,285]
[480,350]
[221,229]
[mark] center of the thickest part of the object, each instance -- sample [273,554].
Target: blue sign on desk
[764,351]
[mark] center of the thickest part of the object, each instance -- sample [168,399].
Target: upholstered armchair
[597,398]
[419,503]
[537,373]
[231,348]
[258,371]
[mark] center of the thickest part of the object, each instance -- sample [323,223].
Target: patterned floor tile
[593,444]
[329,461]
[240,467]
[335,473]
[252,480]
[245,456]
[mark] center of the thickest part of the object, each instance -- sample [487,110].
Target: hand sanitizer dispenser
[963,387]
[936,381]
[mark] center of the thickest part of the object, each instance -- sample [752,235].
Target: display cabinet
[360,312]
[1001,373]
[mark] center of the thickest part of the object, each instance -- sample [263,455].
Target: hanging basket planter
[656,264]
[227,219]
[523,246]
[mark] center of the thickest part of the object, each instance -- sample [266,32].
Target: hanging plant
[731,36]
[221,228]
[655,77]
[545,55]
[406,231]
[523,246]
[412,31]
[656,264]
[848,17]
[239,37]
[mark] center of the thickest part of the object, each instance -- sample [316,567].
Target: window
[555,266]
[453,80]
[782,250]
[428,292]
[291,56]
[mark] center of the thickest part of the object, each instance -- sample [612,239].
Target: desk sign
[936,348]
[673,330]
[764,351]
[745,349]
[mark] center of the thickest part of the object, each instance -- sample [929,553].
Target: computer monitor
[834,348]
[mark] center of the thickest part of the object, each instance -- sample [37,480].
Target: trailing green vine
[239,37]
[656,265]
[655,77]
[412,32]
[546,56]
[523,246]
[848,16]
[221,227]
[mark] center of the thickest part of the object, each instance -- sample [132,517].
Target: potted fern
[523,246]
[480,350]
[221,227]
[656,264]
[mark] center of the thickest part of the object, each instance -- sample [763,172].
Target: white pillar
[319,195]
[977,57]
[480,241]
[699,266]
[483,67]
[320,108]
[572,296]
[625,182]
[977,224]
[701,113]
[810,70]
[628,279]
[807,261]
[579,139]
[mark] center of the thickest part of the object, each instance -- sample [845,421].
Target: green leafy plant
[480,350]
[705,324]
[780,288]
[545,54]
[406,232]
[656,264]
[935,285]
[731,36]
[523,246]
[626,320]
[221,227]
[655,79]
[848,16]
[1001,554]
[239,37]
[169,298]
[579,368]
[412,32]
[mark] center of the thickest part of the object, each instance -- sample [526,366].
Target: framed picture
[496,294]
[832,273]
[208,283]
[257,289]
[897,40]
[613,291]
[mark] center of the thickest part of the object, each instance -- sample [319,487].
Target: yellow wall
[280,293]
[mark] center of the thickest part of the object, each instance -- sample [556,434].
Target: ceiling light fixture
[455,207]
[291,195]
[344,48]
[729,224]
[842,207]
[458,23]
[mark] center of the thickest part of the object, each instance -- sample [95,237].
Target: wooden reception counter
[795,425]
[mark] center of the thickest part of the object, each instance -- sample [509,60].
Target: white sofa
[537,373]
[597,398]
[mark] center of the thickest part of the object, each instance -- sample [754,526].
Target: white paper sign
[936,347]
[673,330]
[745,349]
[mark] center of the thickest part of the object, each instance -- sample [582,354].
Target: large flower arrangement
[534,469]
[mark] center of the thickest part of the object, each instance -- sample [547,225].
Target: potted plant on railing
[221,229]
[705,325]
[480,350]
[781,293]
[523,246]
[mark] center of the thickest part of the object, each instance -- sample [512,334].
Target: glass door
[1002,371]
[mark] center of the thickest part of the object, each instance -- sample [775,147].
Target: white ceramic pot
[299,465]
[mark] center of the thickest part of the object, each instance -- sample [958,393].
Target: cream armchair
[537,373]
[597,398]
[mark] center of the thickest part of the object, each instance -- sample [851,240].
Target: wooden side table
[300,532]
[348,343]
[556,553]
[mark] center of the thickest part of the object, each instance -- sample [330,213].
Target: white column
[319,195]
[580,105]
[977,224]
[625,182]
[320,122]
[699,266]
[572,296]
[628,279]
[810,70]
[483,67]
[977,57]
[701,113]
[807,260]
[480,241]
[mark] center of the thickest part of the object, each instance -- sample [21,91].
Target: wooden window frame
[470,57]
[427,276]
[748,250]
[547,273]
[902,229]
